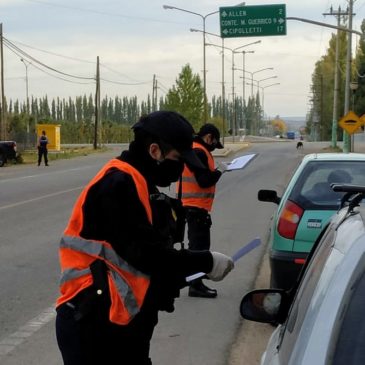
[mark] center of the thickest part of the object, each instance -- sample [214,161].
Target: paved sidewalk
[230,148]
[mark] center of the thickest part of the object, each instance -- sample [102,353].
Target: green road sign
[253,21]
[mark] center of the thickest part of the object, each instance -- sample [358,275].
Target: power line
[51,53]
[102,12]
[121,74]
[125,83]
[12,46]
[85,61]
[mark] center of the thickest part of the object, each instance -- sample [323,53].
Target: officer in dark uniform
[42,148]
[113,216]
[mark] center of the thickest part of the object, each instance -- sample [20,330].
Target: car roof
[334,157]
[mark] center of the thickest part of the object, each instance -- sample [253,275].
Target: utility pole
[321,124]
[97,103]
[336,90]
[346,137]
[154,93]
[223,96]
[3,133]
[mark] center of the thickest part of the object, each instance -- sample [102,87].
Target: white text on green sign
[253,21]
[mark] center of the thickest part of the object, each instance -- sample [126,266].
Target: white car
[322,319]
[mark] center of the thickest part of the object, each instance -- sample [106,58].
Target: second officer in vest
[198,188]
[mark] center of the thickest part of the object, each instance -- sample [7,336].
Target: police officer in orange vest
[118,263]
[198,188]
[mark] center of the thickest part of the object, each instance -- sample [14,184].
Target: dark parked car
[321,319]
[8,151]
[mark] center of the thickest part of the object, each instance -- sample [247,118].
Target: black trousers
[199,223]
[94,340]
[42,152]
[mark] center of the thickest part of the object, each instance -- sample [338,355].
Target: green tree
[187,97]
[321,115]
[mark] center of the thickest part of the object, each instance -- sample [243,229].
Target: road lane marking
[39,198]
[46,173]
[9,343]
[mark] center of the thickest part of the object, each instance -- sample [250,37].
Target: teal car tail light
[289,220]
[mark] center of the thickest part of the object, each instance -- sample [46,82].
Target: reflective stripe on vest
[127,285]
[94,248]
[192,194]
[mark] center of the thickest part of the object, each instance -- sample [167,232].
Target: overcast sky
[137,39]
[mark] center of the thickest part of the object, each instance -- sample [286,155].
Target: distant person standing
[42,148]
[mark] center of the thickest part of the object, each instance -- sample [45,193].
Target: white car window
[305,292]
[350,347]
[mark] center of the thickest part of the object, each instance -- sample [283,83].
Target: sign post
[253,21]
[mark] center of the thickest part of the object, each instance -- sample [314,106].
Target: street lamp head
[168,7]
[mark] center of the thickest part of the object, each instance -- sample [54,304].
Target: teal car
[305,209]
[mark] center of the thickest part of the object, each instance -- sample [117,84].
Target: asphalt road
[35,203]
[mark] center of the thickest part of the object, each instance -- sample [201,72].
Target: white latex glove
[222,166]
[222,265]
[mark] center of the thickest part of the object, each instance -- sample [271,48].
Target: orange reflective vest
[192,194]
[127,286]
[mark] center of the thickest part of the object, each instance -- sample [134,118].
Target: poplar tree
[187,97]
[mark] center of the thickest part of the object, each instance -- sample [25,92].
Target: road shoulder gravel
[252,337]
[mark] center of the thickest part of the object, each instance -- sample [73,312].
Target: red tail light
[289,220]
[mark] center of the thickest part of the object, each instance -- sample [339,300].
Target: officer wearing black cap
[118,263]
[198,188]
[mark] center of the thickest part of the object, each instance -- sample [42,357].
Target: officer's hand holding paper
[222,166]
[223,264]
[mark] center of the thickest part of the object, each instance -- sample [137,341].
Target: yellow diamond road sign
[350,122]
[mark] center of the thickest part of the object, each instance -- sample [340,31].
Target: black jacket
[204,177]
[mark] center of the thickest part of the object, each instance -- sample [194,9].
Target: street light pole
[203,17]
[233,51]
[223,88]
[263,89]
[267,78]
[255,72]
[26,64]
[243,69]
[346,137]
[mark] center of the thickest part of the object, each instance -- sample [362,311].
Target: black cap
[209,128]
[174,130]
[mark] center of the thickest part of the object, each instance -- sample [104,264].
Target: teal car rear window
[312,189]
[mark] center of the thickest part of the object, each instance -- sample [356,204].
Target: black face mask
[168,171]
[212,147]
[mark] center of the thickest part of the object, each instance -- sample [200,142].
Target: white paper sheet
[240,162]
